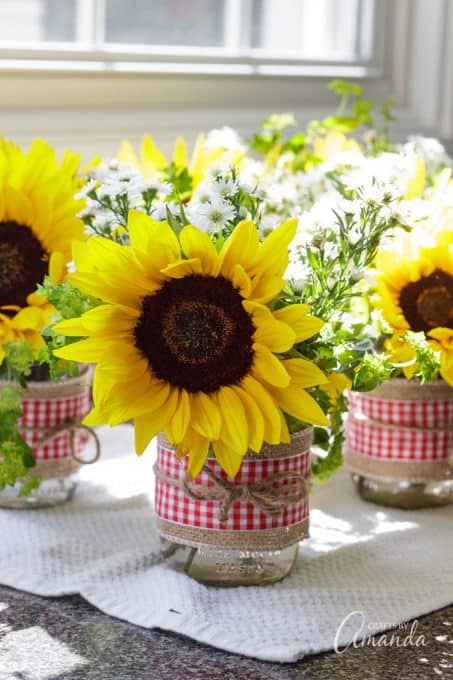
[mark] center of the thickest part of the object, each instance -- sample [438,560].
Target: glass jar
[239,532]
[51,425]
[404,494]
[50,492]
[399,444]
[219,567]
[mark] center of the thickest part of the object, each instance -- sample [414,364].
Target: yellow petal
[275,335]
[228,459]
[254,417]
[266,366]
[296,316]
[149,425]
[150,401]
[273,252]
[267,406]
[304,373]
[196,447]
[57,268]
[110,318]
[153,158]
[178,270]
[71,328]
[234,430]
[197,244]
[179,422]
[240,248]
[29,317]
[85,351]
[206,418]
[298,403]
[241,281]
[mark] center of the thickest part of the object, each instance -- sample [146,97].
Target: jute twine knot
[262,493]
[72,426]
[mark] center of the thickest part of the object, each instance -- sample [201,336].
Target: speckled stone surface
[66,638]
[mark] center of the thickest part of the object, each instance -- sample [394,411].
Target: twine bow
[269,499]
[71,426]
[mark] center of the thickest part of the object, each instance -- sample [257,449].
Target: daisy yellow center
[190,332]
[23,263]
[428,303]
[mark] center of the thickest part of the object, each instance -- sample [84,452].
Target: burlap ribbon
[269,499]
[409,469]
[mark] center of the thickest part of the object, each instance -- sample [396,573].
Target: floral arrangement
[229,300]
[38,224]
[211,323]
[410,302]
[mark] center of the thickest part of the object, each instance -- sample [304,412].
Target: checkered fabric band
[400,430]
[173,505]
[47,413]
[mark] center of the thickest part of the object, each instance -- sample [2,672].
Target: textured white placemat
[389,565]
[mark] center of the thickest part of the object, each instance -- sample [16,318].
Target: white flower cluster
[217,204]
[112,190]
[430,150]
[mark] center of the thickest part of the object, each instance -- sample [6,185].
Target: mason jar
[399,443]
[237,532]
[51,425]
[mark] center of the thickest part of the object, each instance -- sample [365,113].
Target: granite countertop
[66,638]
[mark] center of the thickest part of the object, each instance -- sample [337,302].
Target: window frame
[237,58]
[92,108]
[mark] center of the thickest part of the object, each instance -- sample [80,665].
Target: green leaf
[29,485]
[342,123]
[342,87]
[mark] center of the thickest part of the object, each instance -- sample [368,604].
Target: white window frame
[92,105]
[92,52]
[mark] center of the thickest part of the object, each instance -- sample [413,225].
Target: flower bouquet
[400,435]
[42,401]
[202,336]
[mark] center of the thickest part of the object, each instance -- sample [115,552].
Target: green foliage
[345,89]
[18,361]
[427,360]
[67,300]
[69,303]
[334,261]
[180,179]
[271,134]
[16,457]
[374,369]
[330,442]
[354,112]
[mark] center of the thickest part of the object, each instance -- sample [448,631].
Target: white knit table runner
[390,565]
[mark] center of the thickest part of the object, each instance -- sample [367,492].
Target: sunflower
[186,342]
[37,225]
[415,292]
[152,162]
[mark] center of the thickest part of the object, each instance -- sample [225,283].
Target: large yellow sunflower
[415,292]
[152,161]
[186,342]
[37,226]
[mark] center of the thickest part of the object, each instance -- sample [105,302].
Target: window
[254,33]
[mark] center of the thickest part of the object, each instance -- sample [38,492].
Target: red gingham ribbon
[47,413]
[425,432]
[174,505]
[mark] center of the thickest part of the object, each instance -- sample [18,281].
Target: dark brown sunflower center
[23,263]
[428,303]
[196,334]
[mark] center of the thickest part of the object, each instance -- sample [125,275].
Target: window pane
[197,23]
[37,20]
[312,29]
